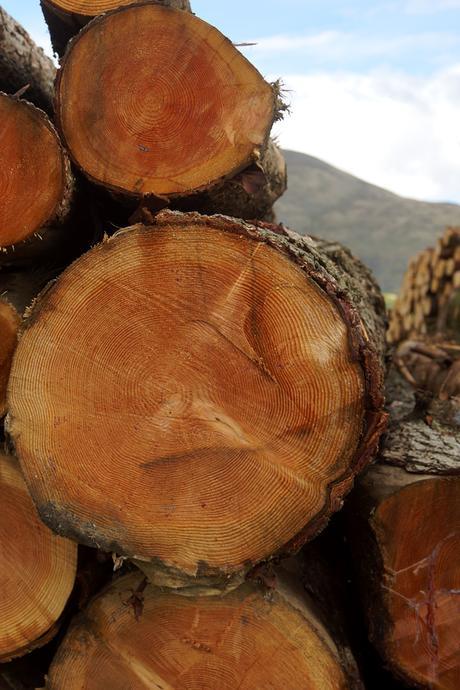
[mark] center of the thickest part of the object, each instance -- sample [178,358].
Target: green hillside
[382,228]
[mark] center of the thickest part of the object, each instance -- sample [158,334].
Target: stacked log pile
[428,301]
[197,388]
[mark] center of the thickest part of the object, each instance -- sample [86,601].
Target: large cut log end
[31,159]
[168,121]
[134,635]
[37,569]
[220,393]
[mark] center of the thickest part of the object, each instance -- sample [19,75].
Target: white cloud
[333,46]
[392,129]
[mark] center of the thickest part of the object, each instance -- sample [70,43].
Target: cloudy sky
[374,86]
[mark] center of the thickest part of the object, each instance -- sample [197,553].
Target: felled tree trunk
[134,634]
[405,530]
[37,569]
[38,190]
[65,18]
[242,360]
[9,324]
[183,112]
[23,63]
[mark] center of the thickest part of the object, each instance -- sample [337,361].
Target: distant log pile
[429,298]
[195,391]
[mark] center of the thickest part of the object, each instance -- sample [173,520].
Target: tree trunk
[37,569]
[9,324]
[136,635]
[33,155]
[242,356]
[23,63]
[181,113]
[405,530]
[65,18]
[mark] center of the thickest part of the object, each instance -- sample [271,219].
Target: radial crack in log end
[219,395]
[409,542]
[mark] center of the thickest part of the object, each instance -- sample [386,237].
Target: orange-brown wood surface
[179,111]
[37,568]
[9,324]
[33,172]
[202,399]
[94,7]
[136,636]
[415,610]
[420,527]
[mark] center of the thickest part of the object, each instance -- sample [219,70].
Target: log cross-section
[206,391]
[37,569]
[181,111]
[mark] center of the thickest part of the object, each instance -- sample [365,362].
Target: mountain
[380,227]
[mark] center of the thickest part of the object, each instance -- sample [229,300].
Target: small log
[247,357]
[9,325]
[179,114]
[65,18]
[37,569]
[32,154]
[136,635]
[22,64]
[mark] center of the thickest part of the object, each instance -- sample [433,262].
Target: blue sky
[374,87]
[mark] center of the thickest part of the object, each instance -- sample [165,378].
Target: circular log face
[242,640]
[32,171]
[37,568]
[188,394]
[181,110]
[421,524]
[9,324]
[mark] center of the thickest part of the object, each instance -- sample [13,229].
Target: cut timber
[181,112]
[37,569]
[23,63]
[36,184]
[222,387]
[408,548]
[65,18]
[138,636]
[9,324]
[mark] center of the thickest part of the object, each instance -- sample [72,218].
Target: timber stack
[188,388]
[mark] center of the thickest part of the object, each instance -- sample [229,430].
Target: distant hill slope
[382,228]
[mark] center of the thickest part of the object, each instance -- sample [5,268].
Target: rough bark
[226,307]
[134,634]
[9,325]
[23,63]
[66,18]
[250,195]
[203,113]
[31,150]
[37,569]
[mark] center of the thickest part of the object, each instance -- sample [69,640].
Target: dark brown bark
[23,63]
